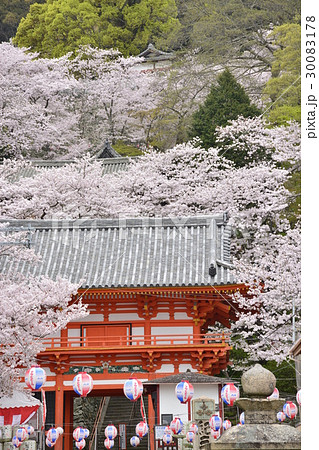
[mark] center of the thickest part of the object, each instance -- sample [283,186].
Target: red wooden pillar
[151,421]
[68,421]
[59,407]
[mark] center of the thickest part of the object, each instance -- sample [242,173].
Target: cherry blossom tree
[31,308]
[65,107]
[35,120]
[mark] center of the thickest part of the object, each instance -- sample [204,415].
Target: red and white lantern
[226,424]
[167,430]
[83,384]
[215,422]
[133,389]
[49,443]
[30,430]
[134,441]
[229,394]
[215,434]
[193,427]
[298,397]
[108,443]
[184,391]
[16,442]
[86,433]
[110,432]
[176,425]
[190,436]
[60,430]
[167,439]
[80,444]
[52,435]
[281,416]
[274,395]
[78,434]
[141,429]
[290,410]
[21,434]
[35,378]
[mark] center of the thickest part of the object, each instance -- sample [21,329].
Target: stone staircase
[119,410]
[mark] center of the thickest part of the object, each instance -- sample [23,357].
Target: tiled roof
[129,252]
[192,377]
[109,165]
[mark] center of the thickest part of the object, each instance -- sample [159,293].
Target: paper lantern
[134,441]
[190,436]
[16,442]
[35,378]
[108,443]
[30,430]
[78,434]
[229,394]
[133,389]
[193,427]
[86,433]
[184,391]
[52,435]
[298,397]
[242,418]
[110,432]
[80,444]
[141,429]
[167,430]
[290,410]
[215,434]
[60,430]
[167,439]
[226,424]
[21,434]
[49,443]
[274,395]
[215,422]
[83,384]
[176,425]
[281,416]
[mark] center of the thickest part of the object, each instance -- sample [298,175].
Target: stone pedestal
[261,429]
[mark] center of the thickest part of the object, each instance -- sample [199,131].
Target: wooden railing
[139,341]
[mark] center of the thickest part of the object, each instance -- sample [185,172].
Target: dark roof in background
[114,253]
[151,53]
[192,377]
[109,165]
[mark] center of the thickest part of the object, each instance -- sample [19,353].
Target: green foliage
[284,87]
[285,374]
[61,26]
[219,28]
[226,101]
[11,12]
[126,150]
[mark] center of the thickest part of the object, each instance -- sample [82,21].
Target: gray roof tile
[130,252]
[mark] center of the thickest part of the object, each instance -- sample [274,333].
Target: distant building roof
[192,377]
[109,165]
[153,54]
[108,151]
[129,252]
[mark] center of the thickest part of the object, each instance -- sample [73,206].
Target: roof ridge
[121,222]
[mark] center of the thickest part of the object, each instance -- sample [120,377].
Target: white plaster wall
[169,404]
[124,317]
[162,331]
[91,318]
[138,331]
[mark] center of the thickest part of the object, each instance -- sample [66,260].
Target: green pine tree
[226,101]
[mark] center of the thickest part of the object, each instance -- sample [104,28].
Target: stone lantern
[261,429]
